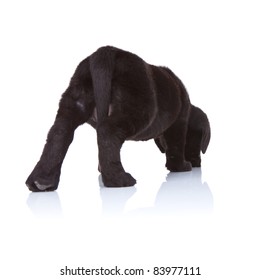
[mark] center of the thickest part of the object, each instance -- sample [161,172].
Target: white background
[210,220]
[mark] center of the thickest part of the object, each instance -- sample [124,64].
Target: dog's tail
[101,67]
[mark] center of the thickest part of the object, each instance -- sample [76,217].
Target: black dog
[123,98]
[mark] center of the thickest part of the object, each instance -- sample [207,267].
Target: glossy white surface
[208,217]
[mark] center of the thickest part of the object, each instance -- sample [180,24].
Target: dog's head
[197,139]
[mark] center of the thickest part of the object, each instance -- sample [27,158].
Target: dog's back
[125,86]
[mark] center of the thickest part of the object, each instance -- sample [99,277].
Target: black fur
[197,138]
[123,98]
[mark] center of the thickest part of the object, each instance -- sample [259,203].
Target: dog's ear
[159,144]
[206,133]
[198,135]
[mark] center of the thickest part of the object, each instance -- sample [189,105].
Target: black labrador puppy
[123,98]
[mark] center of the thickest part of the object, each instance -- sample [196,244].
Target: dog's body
[123,98]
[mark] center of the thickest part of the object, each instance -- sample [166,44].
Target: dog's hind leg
[111,134]
[72,112]
[45,176]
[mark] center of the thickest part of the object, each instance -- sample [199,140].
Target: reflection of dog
[123,98]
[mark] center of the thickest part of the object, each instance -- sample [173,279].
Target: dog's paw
[122,179]
[40,185]
[182,166]
[195,162]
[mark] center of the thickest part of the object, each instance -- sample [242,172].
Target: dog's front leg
[111,135]
[175,138]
